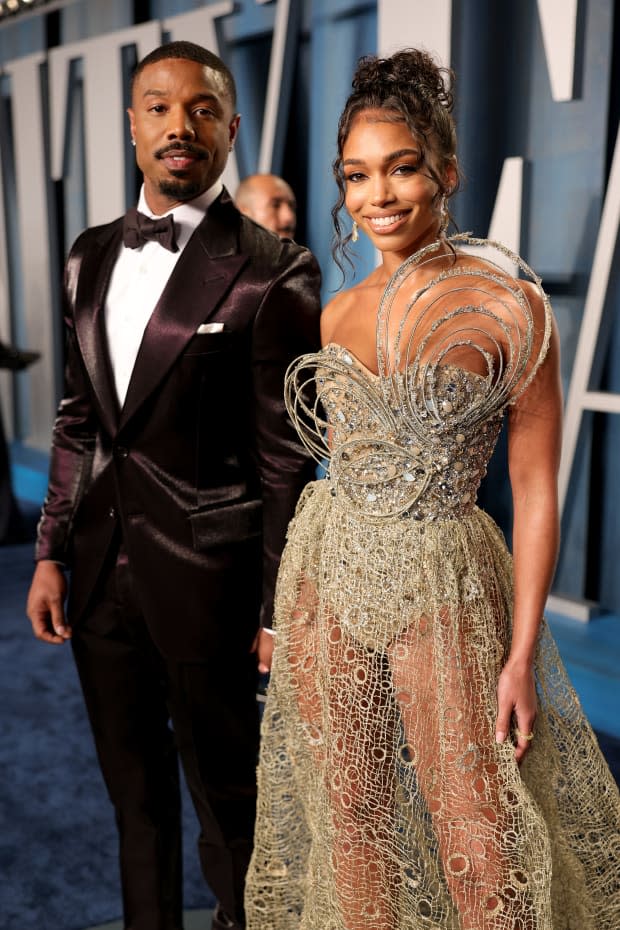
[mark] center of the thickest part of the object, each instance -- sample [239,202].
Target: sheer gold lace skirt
[384,801]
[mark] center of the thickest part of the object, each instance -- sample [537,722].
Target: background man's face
[272,204]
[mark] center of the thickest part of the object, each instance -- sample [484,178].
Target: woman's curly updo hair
[413,89]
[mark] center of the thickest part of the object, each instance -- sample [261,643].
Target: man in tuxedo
[174,472]
[269,200]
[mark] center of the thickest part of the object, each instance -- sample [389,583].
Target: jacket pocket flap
[222,525]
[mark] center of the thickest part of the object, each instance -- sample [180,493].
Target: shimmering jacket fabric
[201,469]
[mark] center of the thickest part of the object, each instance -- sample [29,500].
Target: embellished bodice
[386,468]
[413,440]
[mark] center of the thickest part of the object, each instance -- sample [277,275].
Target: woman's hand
[516,701]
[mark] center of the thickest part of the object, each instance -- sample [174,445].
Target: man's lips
[180,157]
[178,162]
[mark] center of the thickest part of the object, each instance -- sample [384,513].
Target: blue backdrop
[504,108]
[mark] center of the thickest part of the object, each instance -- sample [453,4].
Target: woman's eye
[354,176]
[157,108]
[406,169]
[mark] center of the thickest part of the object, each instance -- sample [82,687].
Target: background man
[268,200]
[174,473]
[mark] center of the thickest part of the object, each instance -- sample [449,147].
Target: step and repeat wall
[537,115]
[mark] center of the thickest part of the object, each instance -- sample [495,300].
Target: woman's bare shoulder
[536,301]
[335,312]
[356,301]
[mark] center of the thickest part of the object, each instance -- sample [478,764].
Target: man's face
[273,205]
[184,126]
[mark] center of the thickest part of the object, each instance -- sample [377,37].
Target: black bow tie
[138,229]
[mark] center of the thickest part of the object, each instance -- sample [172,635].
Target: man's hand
[263,647]
[45,605]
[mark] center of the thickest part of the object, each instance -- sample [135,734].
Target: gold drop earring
[354,232]
[444,216]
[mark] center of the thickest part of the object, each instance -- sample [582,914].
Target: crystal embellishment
[455,347]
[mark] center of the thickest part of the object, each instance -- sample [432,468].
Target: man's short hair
[189,51]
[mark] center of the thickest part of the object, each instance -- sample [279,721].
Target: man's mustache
[188,147]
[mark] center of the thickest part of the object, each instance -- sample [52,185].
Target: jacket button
[122,452]
[112,512]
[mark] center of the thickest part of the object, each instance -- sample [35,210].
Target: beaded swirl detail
[413,439]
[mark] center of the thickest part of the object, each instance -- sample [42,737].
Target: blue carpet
[590,653]
[58,866]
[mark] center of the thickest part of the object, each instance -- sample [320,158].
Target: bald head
[268,200]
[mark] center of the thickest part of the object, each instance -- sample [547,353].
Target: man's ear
[233,129]
[132,124]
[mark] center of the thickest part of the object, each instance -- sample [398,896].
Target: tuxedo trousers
[147,711]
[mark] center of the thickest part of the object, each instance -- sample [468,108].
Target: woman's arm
[534,443]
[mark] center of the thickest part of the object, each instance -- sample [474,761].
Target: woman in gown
[425,762]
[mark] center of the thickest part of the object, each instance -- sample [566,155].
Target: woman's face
[389,190]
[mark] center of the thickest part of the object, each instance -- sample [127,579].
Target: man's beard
[179,189]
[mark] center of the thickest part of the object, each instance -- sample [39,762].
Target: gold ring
[527,736]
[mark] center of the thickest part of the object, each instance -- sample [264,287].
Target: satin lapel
[94,278]
[202,276]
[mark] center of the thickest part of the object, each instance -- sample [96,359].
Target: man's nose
[180,125]
[288,216]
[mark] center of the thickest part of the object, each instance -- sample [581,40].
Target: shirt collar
[188,215]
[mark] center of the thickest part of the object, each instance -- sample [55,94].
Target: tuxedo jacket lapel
[89,316]
[202,276]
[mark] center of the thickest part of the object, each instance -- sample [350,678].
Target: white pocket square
[210,328]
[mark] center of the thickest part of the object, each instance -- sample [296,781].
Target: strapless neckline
[342,350]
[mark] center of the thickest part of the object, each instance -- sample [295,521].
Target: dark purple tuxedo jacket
[201,469]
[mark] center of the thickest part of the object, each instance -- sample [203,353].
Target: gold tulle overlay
[384,801]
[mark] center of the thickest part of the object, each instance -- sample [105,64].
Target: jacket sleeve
[73,441]
[286,326]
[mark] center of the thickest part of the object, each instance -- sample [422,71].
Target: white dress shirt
[138,280]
